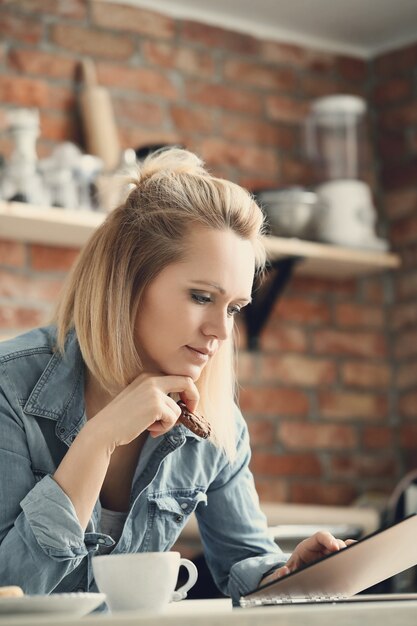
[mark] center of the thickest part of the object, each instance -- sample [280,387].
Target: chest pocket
[167,515]
[41,465]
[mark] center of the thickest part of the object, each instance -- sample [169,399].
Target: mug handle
[181,593]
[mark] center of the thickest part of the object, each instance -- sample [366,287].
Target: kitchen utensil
[336,141]
[347,216]
[101,136]
[334,135]
[290,212]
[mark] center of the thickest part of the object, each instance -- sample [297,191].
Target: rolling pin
[100,130]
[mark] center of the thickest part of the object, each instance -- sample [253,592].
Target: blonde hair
[172,192]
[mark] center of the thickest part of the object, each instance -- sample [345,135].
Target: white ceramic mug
[142,581]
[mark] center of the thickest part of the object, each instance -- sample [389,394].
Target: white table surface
[220,613]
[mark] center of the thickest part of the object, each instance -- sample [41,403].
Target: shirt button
[62,431]
[179,518]
[101,540]
[184,505]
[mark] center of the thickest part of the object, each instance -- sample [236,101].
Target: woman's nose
[219,326]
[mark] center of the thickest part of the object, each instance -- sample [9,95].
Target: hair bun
[168,161]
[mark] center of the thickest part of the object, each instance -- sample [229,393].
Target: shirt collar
[59,392]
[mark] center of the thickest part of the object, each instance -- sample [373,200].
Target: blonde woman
[92,456]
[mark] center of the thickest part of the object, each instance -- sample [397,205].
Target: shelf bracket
[257,313]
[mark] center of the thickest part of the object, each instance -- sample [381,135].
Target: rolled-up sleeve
[50,514]
[246,575]
[41,540]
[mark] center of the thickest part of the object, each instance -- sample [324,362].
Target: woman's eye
[201,298]
[206,298]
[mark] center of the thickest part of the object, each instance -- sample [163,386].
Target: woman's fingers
[278,573]
[323,542]
[349,542]
[308,550]
[145,405]
[326,541]
[183,385]
[168,419]
[320,544]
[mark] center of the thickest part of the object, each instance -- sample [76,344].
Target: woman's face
[188,310]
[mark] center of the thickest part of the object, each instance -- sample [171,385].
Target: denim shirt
[43,547]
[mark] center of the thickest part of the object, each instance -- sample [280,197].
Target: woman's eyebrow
[208,283]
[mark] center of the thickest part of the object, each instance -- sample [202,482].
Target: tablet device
[343,574]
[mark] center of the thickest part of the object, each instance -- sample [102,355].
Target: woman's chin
[190,371]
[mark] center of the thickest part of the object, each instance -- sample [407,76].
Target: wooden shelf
[330,261]
[46,225]
[68,228]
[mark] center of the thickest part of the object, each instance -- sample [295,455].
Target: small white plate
[77,604]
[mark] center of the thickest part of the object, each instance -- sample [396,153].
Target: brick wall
[320,396]
[394,98]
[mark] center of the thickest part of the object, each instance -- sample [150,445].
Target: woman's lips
[197,355]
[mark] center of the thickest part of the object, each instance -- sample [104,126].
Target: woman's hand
[309,550]
[144,405]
